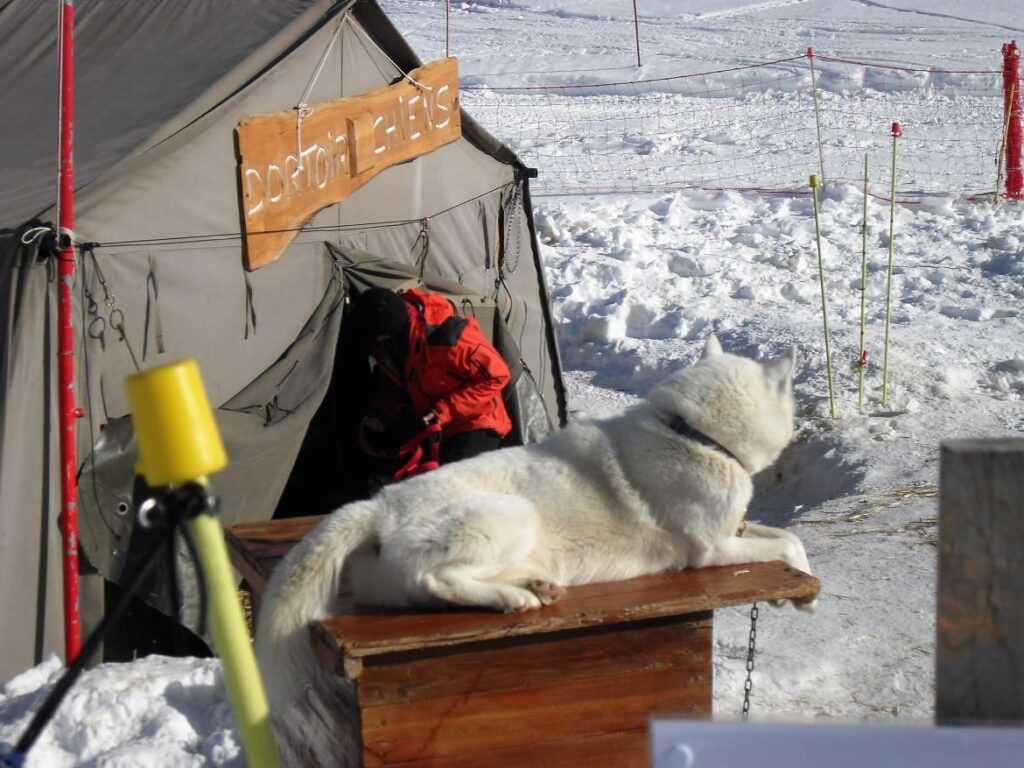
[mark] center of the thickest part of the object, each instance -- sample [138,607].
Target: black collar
[680,427]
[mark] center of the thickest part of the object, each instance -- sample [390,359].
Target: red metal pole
[1011,114]
[636,30]
[69,412]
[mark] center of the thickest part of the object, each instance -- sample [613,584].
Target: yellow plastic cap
[177,435]
[814,181]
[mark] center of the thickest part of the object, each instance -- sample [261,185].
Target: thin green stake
[862,359]
[896,133]
[1002,147]
[817,116]
[824,302]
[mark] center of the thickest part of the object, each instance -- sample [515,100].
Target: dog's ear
[780,370]
[711,348]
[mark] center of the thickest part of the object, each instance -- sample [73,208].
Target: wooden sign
[291,166]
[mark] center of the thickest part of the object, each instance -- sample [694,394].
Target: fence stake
[824,303]
[862,358]
[1003,148]
[817,116]
[636,30]
[896,133]
[1013,133]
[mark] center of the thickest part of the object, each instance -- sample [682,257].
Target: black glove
[386,436]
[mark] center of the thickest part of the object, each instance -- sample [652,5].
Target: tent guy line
[231,236]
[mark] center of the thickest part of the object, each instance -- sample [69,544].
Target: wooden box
[571,684]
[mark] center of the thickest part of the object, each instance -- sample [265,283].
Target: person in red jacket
[431,367]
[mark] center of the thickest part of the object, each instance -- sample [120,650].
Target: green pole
[231,639]
[896,133]
[862,358]
[824,302]
[179,443]
[817,117]
[1002,147]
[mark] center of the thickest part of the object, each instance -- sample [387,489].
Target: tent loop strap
[302,108]
[29,236]
[152,309]
[250,307]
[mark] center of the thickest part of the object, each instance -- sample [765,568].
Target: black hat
[377,312]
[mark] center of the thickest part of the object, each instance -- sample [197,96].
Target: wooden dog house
[571,684]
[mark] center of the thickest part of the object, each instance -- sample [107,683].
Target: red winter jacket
[451,368]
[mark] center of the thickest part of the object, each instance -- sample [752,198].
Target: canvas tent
[160,89]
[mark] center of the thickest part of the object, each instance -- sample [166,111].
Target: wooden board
[357,631]
[506,696]
[290,166]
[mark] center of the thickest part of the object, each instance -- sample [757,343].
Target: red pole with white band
[69,412]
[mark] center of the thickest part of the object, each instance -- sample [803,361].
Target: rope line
[669,78]
[233,236]
[898,68]
[358,28]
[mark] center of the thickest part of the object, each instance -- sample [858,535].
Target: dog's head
[743,405]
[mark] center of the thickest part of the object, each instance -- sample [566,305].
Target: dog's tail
[301,591]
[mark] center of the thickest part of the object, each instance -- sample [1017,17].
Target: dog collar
[681,427]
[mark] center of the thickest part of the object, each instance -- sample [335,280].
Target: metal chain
[510,260]
[751,647]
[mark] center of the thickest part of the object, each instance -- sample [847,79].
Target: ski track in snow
[935,15]
[771,5]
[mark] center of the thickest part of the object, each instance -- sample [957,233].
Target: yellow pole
[896,133]
[817,117]
[824,302]
[231,639]
[1002,146]
[179,443]
[862,358]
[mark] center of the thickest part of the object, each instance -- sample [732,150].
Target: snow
[639,280]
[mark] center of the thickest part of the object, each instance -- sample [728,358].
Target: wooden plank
[289,531]
[628,749]
[291,166]
[359,631]
[538,660]
[980,655]
[469,724]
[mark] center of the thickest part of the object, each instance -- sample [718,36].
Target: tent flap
[262,428]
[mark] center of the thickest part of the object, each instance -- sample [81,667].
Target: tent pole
[69,412]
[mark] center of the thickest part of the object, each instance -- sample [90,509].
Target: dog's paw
[547,592]
[516,600]
[807,604]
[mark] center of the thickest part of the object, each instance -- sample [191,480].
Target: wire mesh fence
[755,127]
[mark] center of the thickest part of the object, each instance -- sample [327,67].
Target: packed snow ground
[639,281]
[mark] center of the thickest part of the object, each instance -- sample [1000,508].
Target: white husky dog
[663,485]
